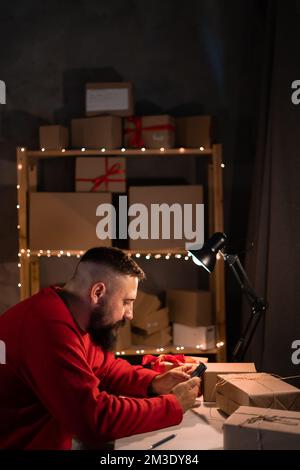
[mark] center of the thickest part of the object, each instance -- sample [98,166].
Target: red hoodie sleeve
[54,365]
[122,378]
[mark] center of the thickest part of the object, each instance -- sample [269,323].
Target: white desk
[200,429]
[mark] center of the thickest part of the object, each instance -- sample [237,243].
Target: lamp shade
[206,256]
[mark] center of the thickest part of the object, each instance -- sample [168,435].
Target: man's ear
[97,291]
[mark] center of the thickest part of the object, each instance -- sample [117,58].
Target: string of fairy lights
[26,253]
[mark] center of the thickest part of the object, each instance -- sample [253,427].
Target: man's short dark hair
[116,259]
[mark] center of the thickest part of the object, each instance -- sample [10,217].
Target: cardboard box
[152,322]
[190,307]
[77,132]
[124,337]
[216,368]
[203,336]
[193,131]
[252,428]
[144,305]
[156,340]
[54,137]
[151,132]
[97,132]
[167,195]
[101,174]
[65,221]
[257,389]
[109,98]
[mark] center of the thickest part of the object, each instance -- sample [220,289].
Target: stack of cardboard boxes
[191,314]
[150,324]
[109,123]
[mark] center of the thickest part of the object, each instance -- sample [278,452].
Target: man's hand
[187,392]
[164,383]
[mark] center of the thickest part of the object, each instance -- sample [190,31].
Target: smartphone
[200,369]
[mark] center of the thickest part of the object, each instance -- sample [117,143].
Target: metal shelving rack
[27,161]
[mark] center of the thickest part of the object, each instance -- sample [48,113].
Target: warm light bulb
[201,149]
[186,258]
[22,251]
[23,149]
[138,255]
[167,257]
[19,285]
[181,150]
[63,150]
[157,256]
[123,150]
[222,165]
[148,256]
[18,227]
[18,206]
[178,255]
[43,149]
[83,149]
[220,344]
[143,149]
[18,186]
[20,166]
[19,265]
[68,253]
[103,149]
[77,256]
[162,149]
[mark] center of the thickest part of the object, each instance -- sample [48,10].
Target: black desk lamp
[206,257]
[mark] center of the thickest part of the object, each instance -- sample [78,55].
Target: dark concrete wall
[196,56]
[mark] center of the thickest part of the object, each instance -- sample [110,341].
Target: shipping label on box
[257,389]
[101,174]
[202,337]
[216,368]
[173,216]
[54,137]
[109,98]
[66,221]
[153,132]
[190,307]
[253,428]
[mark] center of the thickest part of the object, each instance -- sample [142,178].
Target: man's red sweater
[56,384]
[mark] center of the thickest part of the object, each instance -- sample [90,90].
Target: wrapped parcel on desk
[258,389]
[252,428]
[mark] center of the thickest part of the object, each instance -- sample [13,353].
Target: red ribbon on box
[136,138]
[115,169]
[157,363]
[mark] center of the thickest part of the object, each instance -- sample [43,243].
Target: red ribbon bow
[136,139]
[157,363]
[115,169]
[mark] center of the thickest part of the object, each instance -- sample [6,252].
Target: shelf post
[22,222]
[217,225]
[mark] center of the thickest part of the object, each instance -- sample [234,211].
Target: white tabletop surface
[200,429]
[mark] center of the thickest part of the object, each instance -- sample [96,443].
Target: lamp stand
[257,304]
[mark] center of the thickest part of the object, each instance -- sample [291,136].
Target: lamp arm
[257,304]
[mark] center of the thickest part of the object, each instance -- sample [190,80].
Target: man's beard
[101,333]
